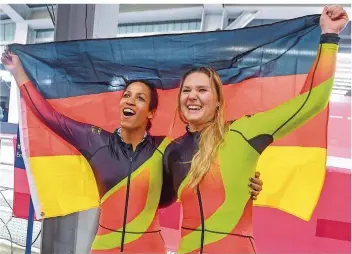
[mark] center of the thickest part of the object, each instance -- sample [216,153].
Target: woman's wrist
[21,78]
[329,31]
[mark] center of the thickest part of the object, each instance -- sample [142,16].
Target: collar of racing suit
[129,146]
[194,134]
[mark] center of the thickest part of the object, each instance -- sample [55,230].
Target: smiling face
[198,100]
[135,109]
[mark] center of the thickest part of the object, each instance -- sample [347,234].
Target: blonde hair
[212,135]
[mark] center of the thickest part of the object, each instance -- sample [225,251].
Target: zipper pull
[131,159]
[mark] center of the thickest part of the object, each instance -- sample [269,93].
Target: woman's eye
[185,91]
[141,98]
[125,95]
[202,90]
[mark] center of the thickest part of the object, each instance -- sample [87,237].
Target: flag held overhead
[260,67]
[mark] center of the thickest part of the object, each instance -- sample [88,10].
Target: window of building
[40,35]
[5,85]
[45,33]
[7,32]
[161,27]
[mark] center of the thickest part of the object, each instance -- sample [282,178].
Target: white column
[20,37]
[212,22]
[212,18]
[105,20]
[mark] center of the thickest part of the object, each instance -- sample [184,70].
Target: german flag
[261,67]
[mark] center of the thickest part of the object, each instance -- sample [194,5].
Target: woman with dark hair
[127,164]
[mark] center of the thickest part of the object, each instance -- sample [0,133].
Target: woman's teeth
[194,107]
[128,112]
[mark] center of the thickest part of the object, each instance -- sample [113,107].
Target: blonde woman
[210,164]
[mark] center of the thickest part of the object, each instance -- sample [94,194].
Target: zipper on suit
[131,158]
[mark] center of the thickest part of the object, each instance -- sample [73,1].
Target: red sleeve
[74,132]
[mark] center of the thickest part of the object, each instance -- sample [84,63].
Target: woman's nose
[130,101]
[192,95]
